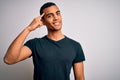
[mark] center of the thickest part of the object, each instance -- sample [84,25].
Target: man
[54,54]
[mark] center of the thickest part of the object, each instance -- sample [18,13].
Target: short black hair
[46,5]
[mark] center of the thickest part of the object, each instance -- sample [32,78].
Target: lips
[56,23]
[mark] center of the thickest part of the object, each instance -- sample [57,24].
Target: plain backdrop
[93,23]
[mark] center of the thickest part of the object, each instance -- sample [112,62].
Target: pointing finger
[40,17]
[42,14]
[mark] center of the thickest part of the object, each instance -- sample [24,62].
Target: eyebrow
[58,11]
[49,14]
[52,13]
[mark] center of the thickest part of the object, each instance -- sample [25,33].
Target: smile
[56,23]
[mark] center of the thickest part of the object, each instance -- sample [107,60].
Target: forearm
[13,51]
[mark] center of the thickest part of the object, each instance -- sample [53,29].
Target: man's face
[53,18]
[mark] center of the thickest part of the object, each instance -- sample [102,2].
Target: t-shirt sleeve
[79,54]
[30,45]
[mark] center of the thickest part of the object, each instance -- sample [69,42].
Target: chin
[55,29]
[58,28]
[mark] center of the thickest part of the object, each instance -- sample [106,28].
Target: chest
[55,52]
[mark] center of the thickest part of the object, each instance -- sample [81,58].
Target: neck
[56,35]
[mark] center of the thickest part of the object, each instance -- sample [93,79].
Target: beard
[54,29]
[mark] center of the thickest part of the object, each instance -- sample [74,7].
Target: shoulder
[35,40]
[72,41]
[38,39]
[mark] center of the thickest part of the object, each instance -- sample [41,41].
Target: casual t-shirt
[53,59]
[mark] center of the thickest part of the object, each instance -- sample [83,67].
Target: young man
[54,54]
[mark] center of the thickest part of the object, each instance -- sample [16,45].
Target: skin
[53,21]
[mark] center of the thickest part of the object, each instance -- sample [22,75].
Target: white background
[93,23]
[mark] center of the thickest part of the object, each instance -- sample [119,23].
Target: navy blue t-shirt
[53,59]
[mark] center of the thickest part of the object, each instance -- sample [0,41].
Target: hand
[37,22]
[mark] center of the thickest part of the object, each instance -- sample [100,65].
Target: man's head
[52,17]
[46,5]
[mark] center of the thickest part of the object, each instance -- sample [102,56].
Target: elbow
[8,61]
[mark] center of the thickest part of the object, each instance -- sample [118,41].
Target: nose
[55,17]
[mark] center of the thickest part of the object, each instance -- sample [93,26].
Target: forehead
[51,9]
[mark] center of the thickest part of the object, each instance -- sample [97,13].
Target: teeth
[56,23]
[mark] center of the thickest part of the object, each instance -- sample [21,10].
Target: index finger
[41,15]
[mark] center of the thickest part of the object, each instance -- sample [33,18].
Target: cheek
[48,22]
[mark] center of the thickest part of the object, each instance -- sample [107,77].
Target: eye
[58,13]
[49,15]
